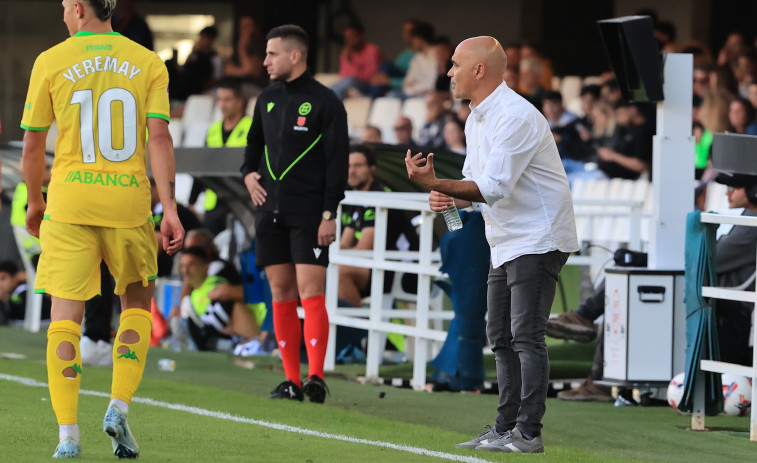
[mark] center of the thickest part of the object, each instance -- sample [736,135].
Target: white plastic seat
[198,108]
[358,109]
[195,134]
[415,110]
[570,87]
[251,106]
[52,137]
[384,111]
[327,78]
[176,129]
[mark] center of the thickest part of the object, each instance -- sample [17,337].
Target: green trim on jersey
[34,129]
[88,33]
[39,291]
[159,116]
[152,278]
[46,216]
[268,162]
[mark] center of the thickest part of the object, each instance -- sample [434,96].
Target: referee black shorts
[288,238]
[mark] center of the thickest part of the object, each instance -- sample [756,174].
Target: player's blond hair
[103,8]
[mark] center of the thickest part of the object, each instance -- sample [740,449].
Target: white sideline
[277,426]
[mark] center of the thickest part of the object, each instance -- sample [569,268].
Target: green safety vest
[18,216]
[237,139]
[702,150]
[200,299]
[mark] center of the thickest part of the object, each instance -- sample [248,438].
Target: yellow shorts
[69,266]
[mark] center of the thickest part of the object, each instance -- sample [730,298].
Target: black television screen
[634,56]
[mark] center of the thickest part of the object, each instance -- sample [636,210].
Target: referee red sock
[286,324]
[316,333]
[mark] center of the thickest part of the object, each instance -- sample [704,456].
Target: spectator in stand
[665,34]
[246,64]
[722,79]
[512,76]
[512,51]
[610,93]
[745,71]
[359,61]
[741,117]
[563,125]
[403,131]
[530,50]
[530,81]
[371,134]
[701,82]
[432,134]
[590,94]
[463,111]
[131,24]
[443,49]
[753,94]
[734,46]
[454,135]
[392,74]
[358,223]
[622,149]
[12,293]
[424,68]
[714,110]
[202,69]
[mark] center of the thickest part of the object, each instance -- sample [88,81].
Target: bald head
[478,67]
[487,51]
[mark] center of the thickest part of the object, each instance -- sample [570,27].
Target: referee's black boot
[287,390]
[315,388]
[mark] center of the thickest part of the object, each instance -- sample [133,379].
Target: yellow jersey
[100,89]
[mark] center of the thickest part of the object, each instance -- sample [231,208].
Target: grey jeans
[520,297]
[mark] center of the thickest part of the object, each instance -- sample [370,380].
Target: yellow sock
[130,353]
[64,369]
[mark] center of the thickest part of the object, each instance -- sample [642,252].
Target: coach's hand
[34,214]
[173,233]
[326,232]
[257,192]
[426,176]
[438,202]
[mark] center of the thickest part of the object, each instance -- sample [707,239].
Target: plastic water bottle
[452,218]
[167,364]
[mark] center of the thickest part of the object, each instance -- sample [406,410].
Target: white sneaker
[105,349]
[90,354]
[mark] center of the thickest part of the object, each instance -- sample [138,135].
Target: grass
[573,432]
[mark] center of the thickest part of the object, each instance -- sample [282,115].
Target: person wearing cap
[735,264]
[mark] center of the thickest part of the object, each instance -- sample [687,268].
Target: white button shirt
[513,159]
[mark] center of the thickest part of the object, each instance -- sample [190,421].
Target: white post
[422,306]
[332,295]
[672,165]
[373,356]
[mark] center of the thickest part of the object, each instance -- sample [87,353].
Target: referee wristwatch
[328,215]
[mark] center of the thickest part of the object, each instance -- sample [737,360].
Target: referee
[295,168]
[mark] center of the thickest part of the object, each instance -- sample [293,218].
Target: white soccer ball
[675,391]
[737,395]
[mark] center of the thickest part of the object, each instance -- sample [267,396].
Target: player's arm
[163,168]
[33,163]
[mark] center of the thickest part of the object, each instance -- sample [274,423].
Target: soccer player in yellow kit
[105,92]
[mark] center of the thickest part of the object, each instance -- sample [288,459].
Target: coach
[513,174]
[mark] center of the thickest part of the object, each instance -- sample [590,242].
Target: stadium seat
[198,108]
[570,87]
[195,133]
[357,113]
[251,106]
[216,114]
[384,112]
[176,129]
[415,110]
[716,199]
[327,78]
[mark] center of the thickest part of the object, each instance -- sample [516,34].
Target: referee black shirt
[298,143]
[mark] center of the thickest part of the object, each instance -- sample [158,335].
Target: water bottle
[167,364]
[452,218]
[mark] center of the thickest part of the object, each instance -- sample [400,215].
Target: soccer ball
[675,391]
[737,395]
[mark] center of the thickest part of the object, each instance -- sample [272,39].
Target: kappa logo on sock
[317,252]
[130,354]
[313,342]
[282,344]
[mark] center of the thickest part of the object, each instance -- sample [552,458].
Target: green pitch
[239,425]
